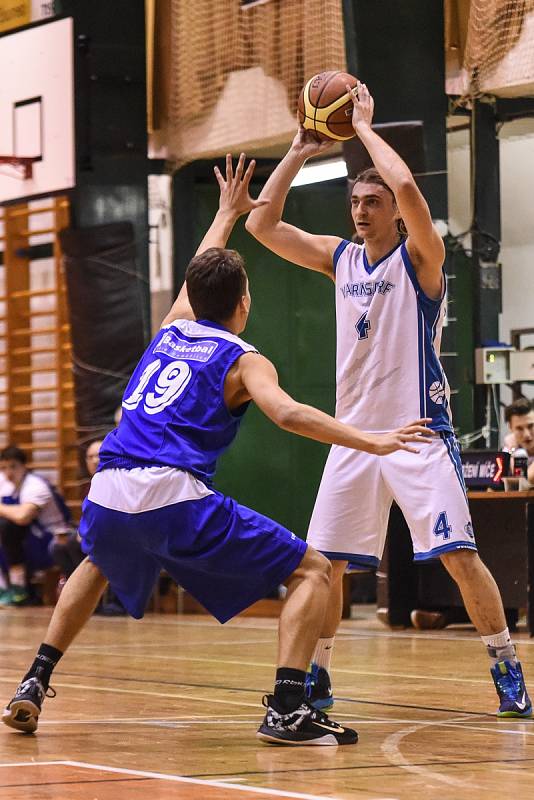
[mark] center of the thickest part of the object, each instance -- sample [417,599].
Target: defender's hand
[385,443]
[306,143]
[362,113]
[235,198]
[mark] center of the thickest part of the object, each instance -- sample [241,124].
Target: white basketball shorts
[350,518]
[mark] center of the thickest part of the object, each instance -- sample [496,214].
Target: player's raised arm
[260,379]
[266,224]
[424,244]
[234,201]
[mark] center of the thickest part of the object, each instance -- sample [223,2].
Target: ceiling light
[321,171]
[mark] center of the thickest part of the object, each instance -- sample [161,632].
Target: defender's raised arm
[234,201]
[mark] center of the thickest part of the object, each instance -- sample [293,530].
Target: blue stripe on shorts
[356,561]
[226,555]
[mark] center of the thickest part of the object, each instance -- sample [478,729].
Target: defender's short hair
[13,453]
[216,281]
[518,408]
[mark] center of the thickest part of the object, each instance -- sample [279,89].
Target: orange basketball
[325,107]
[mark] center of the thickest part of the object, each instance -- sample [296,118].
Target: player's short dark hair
[216,281]
[372,175]
[13,453]
[518,408]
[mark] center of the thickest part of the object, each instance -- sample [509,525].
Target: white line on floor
[391,749]
[115,690]
[223,784]
[268,665]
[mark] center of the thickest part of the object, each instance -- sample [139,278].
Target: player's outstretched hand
[235,197]
[307,144]
[362,112]
[400,439]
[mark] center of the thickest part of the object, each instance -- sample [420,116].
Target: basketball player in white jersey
[389,309]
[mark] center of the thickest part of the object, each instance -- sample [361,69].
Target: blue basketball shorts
[137,522]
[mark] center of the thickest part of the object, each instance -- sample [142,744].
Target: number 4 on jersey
[363,326]
[442,527]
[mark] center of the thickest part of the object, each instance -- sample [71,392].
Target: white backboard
[37,108]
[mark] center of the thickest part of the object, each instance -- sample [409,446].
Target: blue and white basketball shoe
[319,688]
[510,685]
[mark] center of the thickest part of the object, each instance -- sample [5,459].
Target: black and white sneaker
[22,713]
[304,726]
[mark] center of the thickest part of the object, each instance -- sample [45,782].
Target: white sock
[322,655]
[500,647]
[497,640]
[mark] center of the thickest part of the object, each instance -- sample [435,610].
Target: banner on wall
[15,13]
[41,9]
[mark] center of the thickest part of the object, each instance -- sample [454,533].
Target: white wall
[517,217]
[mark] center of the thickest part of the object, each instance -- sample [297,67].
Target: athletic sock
[500,647]
[289,688]
[45,661]
[322,655]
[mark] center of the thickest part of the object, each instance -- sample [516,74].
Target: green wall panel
[292,323]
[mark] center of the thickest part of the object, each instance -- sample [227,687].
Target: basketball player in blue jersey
[389,310]
[151,505]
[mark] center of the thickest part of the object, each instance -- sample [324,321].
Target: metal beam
[486,242]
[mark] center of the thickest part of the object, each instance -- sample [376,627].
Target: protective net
[490,47]
[236,70]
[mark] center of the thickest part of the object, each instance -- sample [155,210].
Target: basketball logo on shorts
[437,393]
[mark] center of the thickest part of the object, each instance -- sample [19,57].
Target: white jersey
[388,342]
[37,491]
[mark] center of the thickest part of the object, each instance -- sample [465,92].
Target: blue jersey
[174,412]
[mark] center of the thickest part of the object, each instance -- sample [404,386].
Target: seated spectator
[32,515]
[110,605]
[92,457]
[66,550]
[520,418]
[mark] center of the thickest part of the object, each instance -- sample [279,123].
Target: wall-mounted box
[492,364]
[522,365]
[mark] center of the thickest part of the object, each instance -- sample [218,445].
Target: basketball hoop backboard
[37,111]
[20,167]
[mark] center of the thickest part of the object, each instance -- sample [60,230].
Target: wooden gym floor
[168,707]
